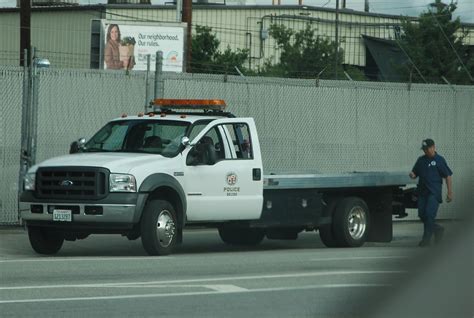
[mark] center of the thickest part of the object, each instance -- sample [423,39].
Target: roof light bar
[196,104]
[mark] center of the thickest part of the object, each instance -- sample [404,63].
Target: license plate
[62,215]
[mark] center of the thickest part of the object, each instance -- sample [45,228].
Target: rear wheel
[351,222]
[159,228]
[44,240]
[241,236]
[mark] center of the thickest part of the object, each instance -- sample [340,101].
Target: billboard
[125,45]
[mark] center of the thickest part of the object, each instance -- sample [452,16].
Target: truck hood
[117,162]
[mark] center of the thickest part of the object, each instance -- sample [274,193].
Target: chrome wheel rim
[357,222]
[165,228]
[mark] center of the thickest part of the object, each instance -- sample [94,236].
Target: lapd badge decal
[231,178]
[231,190]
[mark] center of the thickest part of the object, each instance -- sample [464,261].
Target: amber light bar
[203,104]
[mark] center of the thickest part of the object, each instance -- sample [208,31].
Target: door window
[239,134]
[208,150]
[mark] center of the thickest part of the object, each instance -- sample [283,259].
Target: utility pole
[188,17]
[25,31]
[336,42]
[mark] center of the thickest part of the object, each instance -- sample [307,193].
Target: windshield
[143,136]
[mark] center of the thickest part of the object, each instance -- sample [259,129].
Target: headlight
[122,183]
[29,182]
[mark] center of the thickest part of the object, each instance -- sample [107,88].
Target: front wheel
[159,228]
[241,236]
[351,221]
[44,240]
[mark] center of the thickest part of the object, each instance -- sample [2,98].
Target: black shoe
[438,235]
[424,243]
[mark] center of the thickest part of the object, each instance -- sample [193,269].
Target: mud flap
[380,207]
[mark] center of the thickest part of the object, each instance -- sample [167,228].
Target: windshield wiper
[95,150]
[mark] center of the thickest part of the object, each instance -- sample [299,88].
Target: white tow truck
[190,163]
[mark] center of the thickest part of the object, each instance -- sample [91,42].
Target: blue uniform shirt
[430,173]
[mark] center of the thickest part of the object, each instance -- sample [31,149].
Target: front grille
[71,183]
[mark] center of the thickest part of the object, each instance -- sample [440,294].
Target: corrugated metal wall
[304,126]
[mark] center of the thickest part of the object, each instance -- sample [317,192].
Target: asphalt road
[107,275]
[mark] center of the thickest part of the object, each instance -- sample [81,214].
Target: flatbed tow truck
[189,163]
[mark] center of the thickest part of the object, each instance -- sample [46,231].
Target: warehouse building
[72,35]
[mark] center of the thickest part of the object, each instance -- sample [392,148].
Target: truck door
[223,172]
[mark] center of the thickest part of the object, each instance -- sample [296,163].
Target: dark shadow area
[439,283]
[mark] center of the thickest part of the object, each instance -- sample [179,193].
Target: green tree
[305,55]
[434,46]
[207,58]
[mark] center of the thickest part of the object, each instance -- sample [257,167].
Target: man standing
[431,169]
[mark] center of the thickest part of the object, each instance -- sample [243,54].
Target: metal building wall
[64,38]
[10,38]
[304,126]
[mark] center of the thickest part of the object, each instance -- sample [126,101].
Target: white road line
[356,258]
[92,258]
[213,279]
[226,288]
[219,287]
[230,291]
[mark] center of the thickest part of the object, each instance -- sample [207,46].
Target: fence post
[147,83]
[25,127]
[159,83]
[34,110]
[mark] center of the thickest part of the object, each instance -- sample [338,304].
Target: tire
[241,236]
[44,240]
[326,232]
[351,221]
[159,229]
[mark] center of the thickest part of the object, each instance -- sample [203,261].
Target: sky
[395,7]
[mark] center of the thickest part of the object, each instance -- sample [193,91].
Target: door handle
[256,174]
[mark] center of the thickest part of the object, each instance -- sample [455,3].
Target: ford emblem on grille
[66,183]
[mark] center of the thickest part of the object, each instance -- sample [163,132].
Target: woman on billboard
[112,53]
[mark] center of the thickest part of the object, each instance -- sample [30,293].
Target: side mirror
[185,141]
[76,146]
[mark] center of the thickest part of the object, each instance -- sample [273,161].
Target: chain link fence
[304,125]
[11,88]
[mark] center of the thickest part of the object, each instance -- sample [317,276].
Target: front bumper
[116,208]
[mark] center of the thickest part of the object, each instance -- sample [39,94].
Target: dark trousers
[427,210]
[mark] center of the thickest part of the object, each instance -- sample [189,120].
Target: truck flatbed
[340,180]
